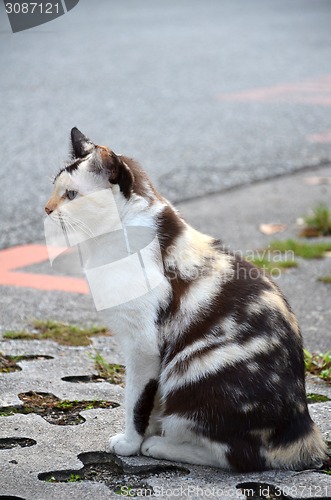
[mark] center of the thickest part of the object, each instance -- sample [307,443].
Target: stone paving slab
[46,375]
[58,447]
[236,216]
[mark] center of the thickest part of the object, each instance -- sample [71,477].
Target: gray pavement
[235,217]
[151,79]
[167,83]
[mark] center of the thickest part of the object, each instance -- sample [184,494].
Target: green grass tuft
[317,398]
[113,373]
[11,335]
[61,333]
[270,266]
[325,279]
[318,364]
[300,249]
[319,223]
[74,478]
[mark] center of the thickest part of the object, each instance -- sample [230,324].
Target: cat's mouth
[58,219]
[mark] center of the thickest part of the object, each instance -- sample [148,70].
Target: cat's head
[103,209]
[94,168]
[96,188]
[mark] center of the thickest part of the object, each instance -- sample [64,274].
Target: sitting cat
[214,359]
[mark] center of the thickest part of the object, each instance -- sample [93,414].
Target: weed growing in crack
[302,249]
[52,409]
[62,333]
[316,398]
[108,469]
[271,266]
[113,373]
[318,364]
[318,223]
[74,478]
[9,364]
[325,279]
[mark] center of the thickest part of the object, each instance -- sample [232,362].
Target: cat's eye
[71,194]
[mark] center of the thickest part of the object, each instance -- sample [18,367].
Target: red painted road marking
[323,137]
[316,91]
[16,257]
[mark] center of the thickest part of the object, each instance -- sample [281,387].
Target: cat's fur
[214,360]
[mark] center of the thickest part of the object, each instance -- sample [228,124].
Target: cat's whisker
[75,224]
[83,227]
[63,226]
[58,216]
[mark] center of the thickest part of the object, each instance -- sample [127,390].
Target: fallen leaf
[309,232]
[272,228]
[315,181]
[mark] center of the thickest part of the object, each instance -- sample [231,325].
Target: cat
[213,353]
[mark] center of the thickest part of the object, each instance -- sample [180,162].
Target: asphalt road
[206,94]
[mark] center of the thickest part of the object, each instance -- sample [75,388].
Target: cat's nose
[48,210]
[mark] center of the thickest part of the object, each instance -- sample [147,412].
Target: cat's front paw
[121,444]
[153,447]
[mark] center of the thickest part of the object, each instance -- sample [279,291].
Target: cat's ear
[81,145]
[117,170]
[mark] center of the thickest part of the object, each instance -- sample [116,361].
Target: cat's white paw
[153,447]
[123,445]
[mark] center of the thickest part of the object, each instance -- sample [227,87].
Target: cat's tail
[307,451]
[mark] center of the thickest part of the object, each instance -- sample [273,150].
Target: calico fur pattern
[214,359]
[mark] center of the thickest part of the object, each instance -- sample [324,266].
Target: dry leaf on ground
[315,181]
[272,228]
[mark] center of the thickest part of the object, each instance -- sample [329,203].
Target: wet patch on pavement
[52,409]
[107,468]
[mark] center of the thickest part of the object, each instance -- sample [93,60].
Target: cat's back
[218,294]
